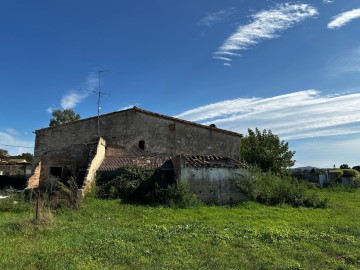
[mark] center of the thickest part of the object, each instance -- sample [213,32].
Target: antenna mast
[99,98]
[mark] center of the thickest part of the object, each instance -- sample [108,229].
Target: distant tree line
[4,155]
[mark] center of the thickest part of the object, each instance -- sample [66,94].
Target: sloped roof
[212,128]
[17,161]
[211,162]
[112,163]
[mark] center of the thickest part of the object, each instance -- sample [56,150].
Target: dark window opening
[167,176]
[142,145]
[55,171]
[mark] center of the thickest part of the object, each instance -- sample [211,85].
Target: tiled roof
[115,163]
[211,162]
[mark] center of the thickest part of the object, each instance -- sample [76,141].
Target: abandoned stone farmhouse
[206,156]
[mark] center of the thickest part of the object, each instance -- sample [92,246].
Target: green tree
[3,154]
[266,151]
[344,166]
[27,156]
[356,168]
[63,117]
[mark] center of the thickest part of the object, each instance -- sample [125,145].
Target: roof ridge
[149,113]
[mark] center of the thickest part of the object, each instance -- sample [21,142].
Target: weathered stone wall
[70,146]
[161,136]
[16,169]
[72,158]
[93,167]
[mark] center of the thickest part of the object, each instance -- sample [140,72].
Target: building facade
[78,149]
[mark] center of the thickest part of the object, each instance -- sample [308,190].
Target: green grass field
[106,234]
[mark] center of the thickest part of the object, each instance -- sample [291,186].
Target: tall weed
[270,189]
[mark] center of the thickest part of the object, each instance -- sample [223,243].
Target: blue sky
[292,67]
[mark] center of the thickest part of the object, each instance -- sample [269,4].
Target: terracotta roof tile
[115,163]
[211,162]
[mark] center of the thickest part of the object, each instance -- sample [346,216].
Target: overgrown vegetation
[144,186]
[271,189]
[61,195]
[345,172]
[353,177]
[106,234]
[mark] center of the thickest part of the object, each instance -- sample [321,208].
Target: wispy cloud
[51,108]
[303,114]
[12,131]
[328,1]
[344,63]
[216,17]
[74,97]
[265,24]
[129,107]
[11,141]
[344,18]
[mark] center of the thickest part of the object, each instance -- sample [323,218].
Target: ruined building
[130,137]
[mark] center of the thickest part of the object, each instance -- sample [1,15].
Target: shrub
[138,185]
[131,183]
[271,189]
[177,194]
[336,175]
[350,173]
[356,182]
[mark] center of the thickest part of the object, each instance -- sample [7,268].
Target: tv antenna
[99,93]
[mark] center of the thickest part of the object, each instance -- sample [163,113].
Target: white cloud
[51,109]
[215,17]
[344,18]
[266,24]
[344,63]
[127,107]
[74,97]
[328,1]
[222,58]
[10,141]
[91,82]
[12,131]
[303,114]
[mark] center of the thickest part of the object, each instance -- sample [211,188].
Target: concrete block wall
[214,184]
